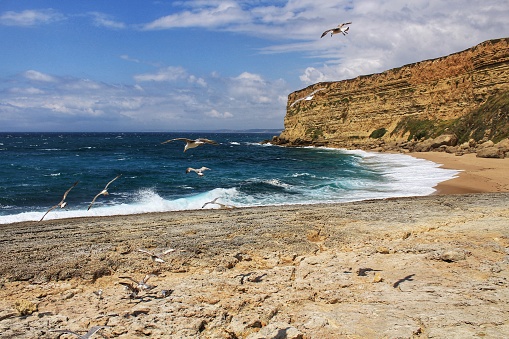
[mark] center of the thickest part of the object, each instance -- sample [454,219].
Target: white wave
[143,201]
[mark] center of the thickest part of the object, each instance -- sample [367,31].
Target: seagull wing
[51,209]
[325,33]
[67,192]
[134,281]
[146,252]
[212,142]
[93,200]
[183,139]
[118,176]
[147,277]
[168,251]
[129,286]
[204,168]
[93,330]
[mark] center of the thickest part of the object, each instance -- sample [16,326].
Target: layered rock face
[345,113]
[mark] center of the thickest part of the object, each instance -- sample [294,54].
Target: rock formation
[417,101]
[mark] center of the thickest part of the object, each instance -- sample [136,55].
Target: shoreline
[477,175]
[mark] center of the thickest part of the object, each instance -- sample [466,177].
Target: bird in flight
[309,97]
[336,30]
[87,335]
[62,203]
[104,191]
[157,257]
[140,285]
[192,143]
[214,202]
[198,171]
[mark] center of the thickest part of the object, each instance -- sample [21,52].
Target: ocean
[37,168]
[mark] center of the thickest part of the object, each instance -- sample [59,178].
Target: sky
[155,66]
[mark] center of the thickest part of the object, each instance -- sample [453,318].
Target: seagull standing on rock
[62,203]
[336,30]
[192,143]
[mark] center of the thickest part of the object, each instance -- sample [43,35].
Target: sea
[36,169]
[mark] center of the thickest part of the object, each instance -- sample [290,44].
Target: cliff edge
[465,94]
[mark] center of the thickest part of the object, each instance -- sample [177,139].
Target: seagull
[62,203]
[198,171]
[309,97]
[157,257]
[336,30]
[104,191]
[87,335]
[193,143]
[214,202]
[142,284]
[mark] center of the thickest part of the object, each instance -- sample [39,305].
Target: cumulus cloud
[30,17]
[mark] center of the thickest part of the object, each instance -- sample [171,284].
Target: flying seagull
[87,335]
[142,284]
[309,97]
[198,171]
[192,143]
[214,202]
[336,30]
[62,203]
[104,191]
[157,257]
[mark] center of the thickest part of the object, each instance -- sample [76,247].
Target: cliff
[416,101]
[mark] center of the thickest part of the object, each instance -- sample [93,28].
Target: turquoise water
[37,168]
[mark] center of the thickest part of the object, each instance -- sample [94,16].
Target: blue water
[37,168]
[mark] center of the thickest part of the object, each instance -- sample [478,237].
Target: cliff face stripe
[347,112]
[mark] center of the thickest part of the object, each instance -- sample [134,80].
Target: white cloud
[215,114]
[104,20]
[383,34]
[30,17]
[208,14]
[179,101]
[38,76]
[170,73]
[26,90]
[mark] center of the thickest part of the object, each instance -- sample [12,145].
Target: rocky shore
[427,267]
[445,143]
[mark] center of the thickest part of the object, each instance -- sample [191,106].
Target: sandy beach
[477,174]
[417,267]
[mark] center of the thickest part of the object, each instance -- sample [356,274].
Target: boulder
[503,145]
[490,152]
[486,144]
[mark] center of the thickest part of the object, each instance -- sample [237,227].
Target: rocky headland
[458,103]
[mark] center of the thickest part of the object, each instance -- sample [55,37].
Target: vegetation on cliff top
[490,121]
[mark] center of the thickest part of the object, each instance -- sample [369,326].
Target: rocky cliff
[420,100]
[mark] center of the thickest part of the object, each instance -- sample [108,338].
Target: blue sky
[126,65]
